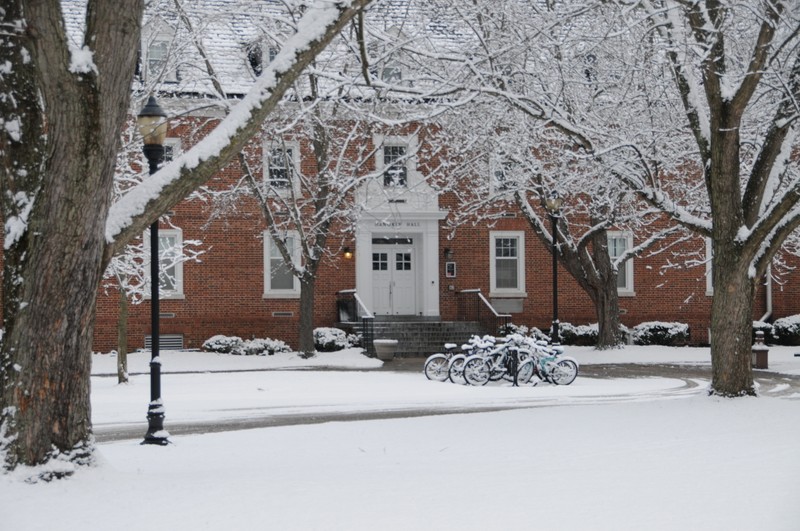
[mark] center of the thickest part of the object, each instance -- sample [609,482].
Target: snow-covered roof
[185,42]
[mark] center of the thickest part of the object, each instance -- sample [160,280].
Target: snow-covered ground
[617,454]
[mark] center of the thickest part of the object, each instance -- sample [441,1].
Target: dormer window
[158,50]
[255,59]
[257,53]
[391,73]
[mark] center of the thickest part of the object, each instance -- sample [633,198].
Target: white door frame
[423,228]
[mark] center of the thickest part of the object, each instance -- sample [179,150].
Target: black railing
[473,306]
[351,309]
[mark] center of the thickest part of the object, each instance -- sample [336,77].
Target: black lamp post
[553,203]
[153,128]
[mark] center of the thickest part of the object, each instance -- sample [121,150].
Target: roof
[233,38]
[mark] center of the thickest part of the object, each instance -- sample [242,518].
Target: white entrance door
[394,275]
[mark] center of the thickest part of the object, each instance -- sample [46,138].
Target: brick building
[403,259]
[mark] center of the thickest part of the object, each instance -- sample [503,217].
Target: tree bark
[70,137]
[306,329]
[732,325]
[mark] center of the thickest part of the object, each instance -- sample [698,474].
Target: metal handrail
[350,305]
[367,314]
[493,321]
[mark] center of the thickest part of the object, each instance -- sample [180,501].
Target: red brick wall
[224,293]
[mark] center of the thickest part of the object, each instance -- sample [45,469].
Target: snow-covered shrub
[581,335]
[529,331]
[761,326]
[660,333]
[224,344]
[329,339]
[239,347]
[354,340]
[786,330]
[264,347]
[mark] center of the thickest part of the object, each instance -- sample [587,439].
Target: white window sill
[279,295]
[168,297]
[626,293]
[508,295]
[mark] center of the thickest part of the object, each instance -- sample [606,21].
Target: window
[255,56]
[158,51]
[402,261]
[170,261]
[618,244]
[391,73]
[507,267]
[394,162]
[172,149]
[281,166]
[279,282]
[380,261]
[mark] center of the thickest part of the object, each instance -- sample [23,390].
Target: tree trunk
[603,291]
[606,304]
[307,293]
[731,328]
[122,338]
[67,148]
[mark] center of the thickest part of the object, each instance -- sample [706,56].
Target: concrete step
[425,337]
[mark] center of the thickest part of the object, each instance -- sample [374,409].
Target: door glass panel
[403,261]
[380,261]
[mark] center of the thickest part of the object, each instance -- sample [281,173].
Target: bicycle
[475,346]
[548,364]
[494,364]
[437,366]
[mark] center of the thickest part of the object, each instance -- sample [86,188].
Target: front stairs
[419,337]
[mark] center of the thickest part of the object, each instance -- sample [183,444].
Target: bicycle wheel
[456,370]
[476,371]
[496,368]
[436,368]
[525,372]
[564,373]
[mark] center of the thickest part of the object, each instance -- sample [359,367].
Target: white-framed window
[281,165]
[170,260]
[395,168]
[507,263]
[618,244]
[157,54]
[396,160]
[172,149]
[279,282]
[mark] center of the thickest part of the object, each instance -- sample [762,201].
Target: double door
[394,278]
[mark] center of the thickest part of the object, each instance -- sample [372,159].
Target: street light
[553,204]
[152,124]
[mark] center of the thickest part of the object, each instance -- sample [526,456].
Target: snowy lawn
[616,454]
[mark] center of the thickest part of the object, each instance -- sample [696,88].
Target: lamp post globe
[152,122]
